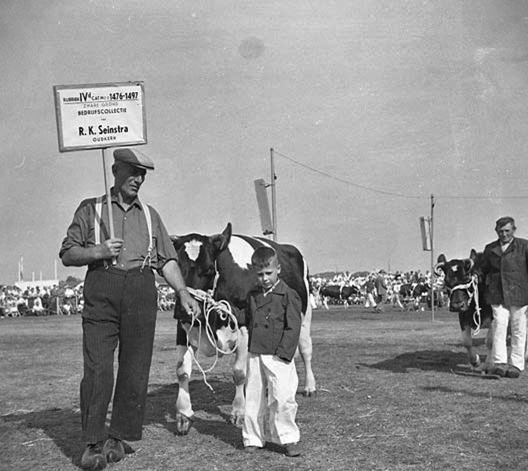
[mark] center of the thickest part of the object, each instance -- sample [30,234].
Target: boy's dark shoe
[499,370]
[513,372]
[114,450]
[292,450]
[93,457]
[252,449]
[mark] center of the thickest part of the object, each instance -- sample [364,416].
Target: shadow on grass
[476,343]
[63,426]
[207,406]
[478,394]
[426,360]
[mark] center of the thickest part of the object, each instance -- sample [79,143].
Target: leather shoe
[114,450]
[252,449]
[292,450]
[513,372]
[93,457]
[499,370]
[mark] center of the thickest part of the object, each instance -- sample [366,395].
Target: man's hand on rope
[191,306]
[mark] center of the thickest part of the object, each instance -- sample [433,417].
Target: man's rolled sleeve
[78,231]
[164,247]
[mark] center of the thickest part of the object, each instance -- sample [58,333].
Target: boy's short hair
[263,256]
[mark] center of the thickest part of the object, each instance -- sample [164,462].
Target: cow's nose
[456,306]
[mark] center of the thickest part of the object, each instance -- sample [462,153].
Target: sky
[371,108]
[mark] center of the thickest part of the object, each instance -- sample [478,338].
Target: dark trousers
[120,310]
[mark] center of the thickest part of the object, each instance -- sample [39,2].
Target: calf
[466,297]
[221,264]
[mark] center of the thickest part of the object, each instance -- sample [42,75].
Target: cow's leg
[239,378]
[467,342]
[489,344]
[184,411]
[305,349]
[526,350]
[313,302]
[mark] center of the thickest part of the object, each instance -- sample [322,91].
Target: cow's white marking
[193,249]
[454,268]
[226,340]
[265,244]
[241,252]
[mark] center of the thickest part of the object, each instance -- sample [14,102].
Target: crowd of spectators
[166,298]
[405,290]
[40,300]
[59,299]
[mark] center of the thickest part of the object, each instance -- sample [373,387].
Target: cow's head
[458,279]
[197,256]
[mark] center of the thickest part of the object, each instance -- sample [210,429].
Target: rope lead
[225,312]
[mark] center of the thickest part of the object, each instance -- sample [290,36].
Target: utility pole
[432,259]
[273,196]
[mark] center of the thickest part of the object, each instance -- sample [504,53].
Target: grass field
[388,399]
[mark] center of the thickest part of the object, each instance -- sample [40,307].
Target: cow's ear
[473,254]
[175,240]
[221,241]
[441,258]
[468,264]
[227,232]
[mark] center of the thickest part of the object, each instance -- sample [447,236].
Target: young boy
[273,318]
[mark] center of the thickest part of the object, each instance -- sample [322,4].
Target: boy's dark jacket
[274,321]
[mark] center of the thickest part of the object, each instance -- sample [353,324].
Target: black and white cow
[339,293]
[466,297]
[221,263]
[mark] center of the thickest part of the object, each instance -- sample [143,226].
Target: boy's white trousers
[271,407]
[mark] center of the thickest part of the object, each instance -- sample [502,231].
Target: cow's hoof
[183,423]
[237,420]
[475,362]
[309,393]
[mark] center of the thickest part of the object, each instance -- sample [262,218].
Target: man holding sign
[120,305]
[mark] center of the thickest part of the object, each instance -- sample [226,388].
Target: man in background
[505,271]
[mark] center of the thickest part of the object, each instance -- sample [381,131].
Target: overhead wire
[390,193]
[342,180]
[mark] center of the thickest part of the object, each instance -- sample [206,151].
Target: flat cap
[133,157]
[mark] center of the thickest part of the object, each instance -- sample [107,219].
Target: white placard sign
[100,115]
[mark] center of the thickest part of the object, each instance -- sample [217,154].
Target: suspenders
[98,223]
[146,210]
[97,219]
